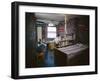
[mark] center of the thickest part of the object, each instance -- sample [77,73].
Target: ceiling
[50,16]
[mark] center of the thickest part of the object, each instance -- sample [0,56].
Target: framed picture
[51,40]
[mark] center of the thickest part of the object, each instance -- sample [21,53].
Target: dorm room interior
[54,40]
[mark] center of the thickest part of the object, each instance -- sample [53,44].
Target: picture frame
[21,14]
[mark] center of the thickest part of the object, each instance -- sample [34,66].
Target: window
[51,32]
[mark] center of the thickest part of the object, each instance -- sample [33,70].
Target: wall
[5,40]
[30,39]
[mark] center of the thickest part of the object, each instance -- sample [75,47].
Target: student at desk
[57,40]
[40,55]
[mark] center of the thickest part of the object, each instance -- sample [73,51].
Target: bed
[77,54]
